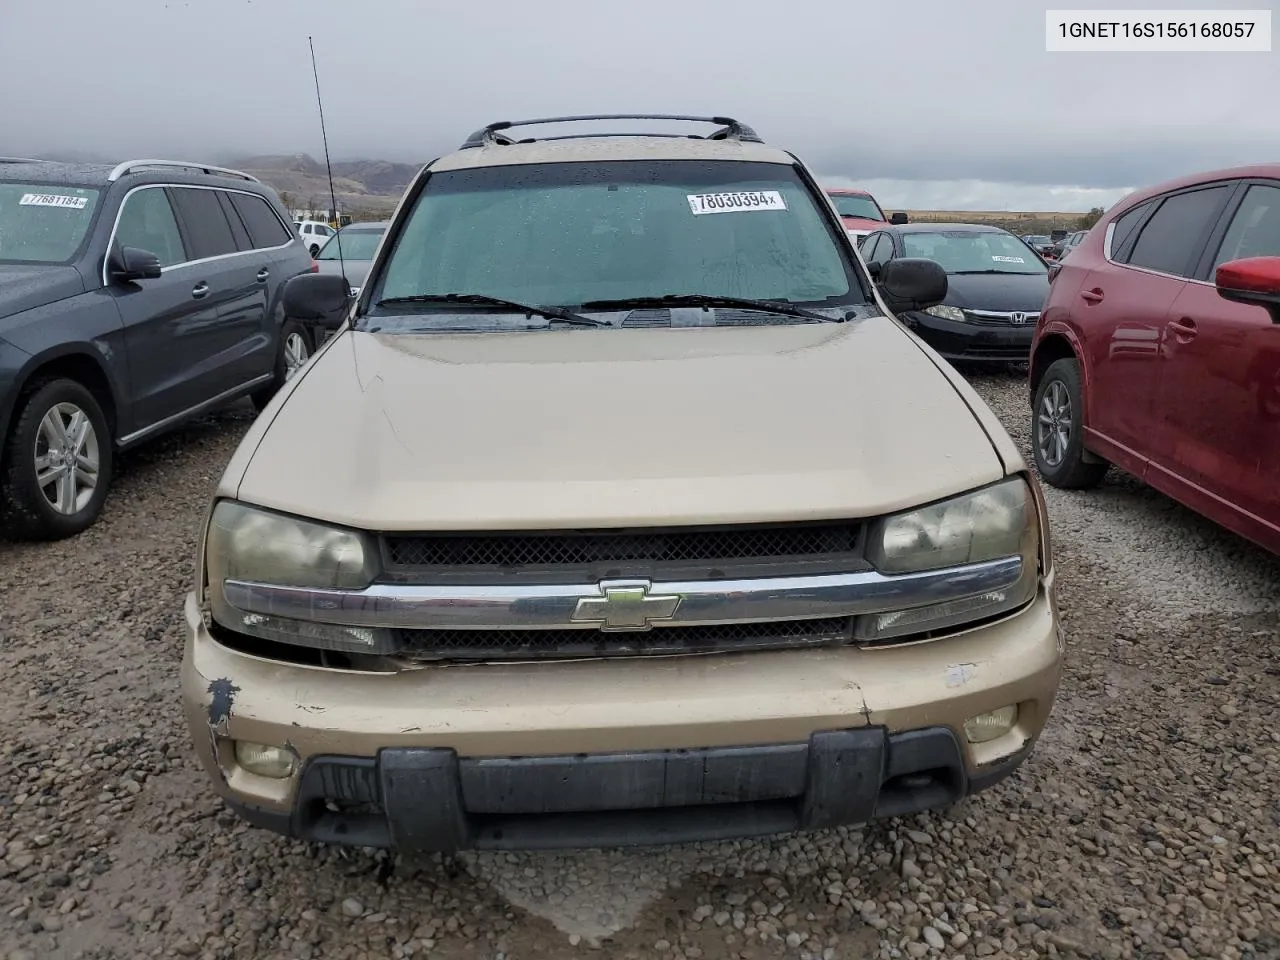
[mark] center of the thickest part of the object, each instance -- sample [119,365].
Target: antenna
[333,199]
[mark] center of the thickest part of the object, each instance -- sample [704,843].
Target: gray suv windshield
[569,234]
[43,223]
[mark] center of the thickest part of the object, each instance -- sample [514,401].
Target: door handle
[263,274]
[1092,296]
[1184,328]
[200,290]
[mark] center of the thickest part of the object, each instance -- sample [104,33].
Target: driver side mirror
[132,263]
[1252,280]
[319,298]
[898,218]
[912,283]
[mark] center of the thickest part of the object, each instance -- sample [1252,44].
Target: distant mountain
[372,185]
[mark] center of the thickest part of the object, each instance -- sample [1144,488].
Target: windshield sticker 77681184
[52,200]
[701,203]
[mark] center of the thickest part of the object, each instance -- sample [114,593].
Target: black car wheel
[293,351]
[1057,435]
[57,463]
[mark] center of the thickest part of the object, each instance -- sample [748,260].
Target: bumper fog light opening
[986,727]
[274,763]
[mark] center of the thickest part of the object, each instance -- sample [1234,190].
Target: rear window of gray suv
[40,223]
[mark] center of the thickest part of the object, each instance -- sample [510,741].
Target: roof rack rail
[132,166]
[22,160]
[730,129]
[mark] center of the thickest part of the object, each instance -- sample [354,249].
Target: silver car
[350,251]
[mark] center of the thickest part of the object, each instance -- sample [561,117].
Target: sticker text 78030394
[701,203]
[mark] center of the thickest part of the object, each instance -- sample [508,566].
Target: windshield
[42,223]
[566,234]
[854,205]
[356,245]
[964,251]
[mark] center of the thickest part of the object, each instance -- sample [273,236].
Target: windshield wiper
[970,273]
[483,299]
[706,300]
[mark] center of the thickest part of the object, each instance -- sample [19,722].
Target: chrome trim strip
[192,411]
[115,226]
[130,165]
[553,607]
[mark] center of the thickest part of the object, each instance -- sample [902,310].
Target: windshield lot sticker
[1008,260]
[701,203]
[52,200]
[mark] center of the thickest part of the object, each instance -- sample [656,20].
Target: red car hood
[862,225]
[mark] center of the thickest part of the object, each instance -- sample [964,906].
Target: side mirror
[132,263]
[319,298]
[912,283]
[898,218]
[1253,280]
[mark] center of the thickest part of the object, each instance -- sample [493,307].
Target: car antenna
[333,199]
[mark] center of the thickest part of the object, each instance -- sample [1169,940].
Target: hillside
[372,186]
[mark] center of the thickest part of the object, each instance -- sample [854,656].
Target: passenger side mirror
[132,263]
[319,298]
[1253,280]
[912,283]
[898,218]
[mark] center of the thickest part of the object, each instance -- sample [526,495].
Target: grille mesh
[550,644]
[774,543]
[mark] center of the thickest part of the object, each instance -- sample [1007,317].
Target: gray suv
[131,299]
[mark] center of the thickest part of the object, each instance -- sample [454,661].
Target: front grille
[561,644]
[994,318]
[569,555]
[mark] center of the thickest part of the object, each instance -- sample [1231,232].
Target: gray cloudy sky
[931,103]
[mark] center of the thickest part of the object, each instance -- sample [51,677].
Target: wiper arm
[706,300]
[483,299]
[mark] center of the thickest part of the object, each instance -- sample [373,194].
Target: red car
[1158,350]
[859,212]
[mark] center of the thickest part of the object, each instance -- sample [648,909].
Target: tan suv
[619,509]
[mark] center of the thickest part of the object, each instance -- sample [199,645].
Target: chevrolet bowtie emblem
[625,605]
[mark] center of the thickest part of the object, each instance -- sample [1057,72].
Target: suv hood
[27,286]
[599,428]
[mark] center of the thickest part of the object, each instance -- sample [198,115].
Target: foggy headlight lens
[945,312]
[994,522]
[246,543]
[989,524]
[258,546]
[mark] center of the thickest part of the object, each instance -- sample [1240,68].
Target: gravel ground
[1147,824]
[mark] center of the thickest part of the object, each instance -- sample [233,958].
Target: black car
[131,299]
[996,287]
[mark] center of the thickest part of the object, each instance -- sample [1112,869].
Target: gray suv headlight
[993,523]
[253,545]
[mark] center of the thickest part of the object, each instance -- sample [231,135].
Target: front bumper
[612,752]
[961,340]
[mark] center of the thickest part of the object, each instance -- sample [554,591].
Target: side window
[1176,231]
[871,247]
[265,228]
[323,231]
[147,222]
[238,230]
[1255,228]
[206,225]
[1122,232]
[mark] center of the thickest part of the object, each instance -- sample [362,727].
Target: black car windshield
[356,244]
[854,205]
[969,251]
[42,223]
[574,233]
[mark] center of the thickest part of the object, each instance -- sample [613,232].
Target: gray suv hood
[26,286]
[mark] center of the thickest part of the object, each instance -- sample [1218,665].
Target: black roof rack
[21,160]
[730,129]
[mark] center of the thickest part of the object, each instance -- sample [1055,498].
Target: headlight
[989,524]
[945,312]
[259,546]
